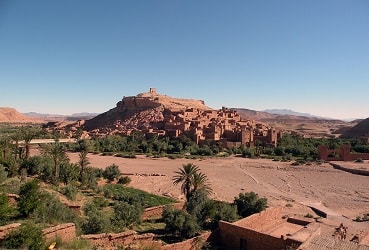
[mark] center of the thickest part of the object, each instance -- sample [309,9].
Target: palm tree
[192,179]
[83,161]
[28,134]
[200,181]
[57,152]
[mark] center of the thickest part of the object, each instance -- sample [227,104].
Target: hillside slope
[11,115]
[359,130]
[141,111]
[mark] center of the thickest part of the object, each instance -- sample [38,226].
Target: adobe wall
[65,232]
[112,240]
[343,154]
[350,170]
[4,230]
[231,235]
[156,212]
[190,244]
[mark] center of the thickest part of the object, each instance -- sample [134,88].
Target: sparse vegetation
[309,215]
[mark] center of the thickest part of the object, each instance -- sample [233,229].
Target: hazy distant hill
[13,116]
[57,117]
[359,130]
[291,112]
[306,125]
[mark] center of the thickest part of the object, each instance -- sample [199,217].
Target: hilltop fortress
[160,115]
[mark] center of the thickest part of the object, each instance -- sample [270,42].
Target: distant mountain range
[58,117]
[291,112]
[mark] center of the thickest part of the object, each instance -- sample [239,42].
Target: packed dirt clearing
[341,195]
[340,192]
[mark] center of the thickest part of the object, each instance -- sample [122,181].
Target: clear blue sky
[73,56]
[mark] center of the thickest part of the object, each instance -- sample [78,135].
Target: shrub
[249,203]
[179,223]
[111,172]
[308,215]
[69,173]
[3,174]
[100,202]
[28,236]
[70,191]
[34,164]
[89,179]
[97,222]
[124,180]
[126,214]
[52,211]
[224,211]
[5,209]
[11,186]
[29,198]
[196,205]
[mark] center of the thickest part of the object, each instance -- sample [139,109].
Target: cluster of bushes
[204,213]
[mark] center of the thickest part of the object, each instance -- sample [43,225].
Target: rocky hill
[11,115]
[359,130]
[140,112]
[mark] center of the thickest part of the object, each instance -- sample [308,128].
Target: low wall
[4,230]
[65,232]
[350,170]
[190,244]
[110,240]
[156,212]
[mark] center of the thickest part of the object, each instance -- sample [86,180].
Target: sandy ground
[342,194]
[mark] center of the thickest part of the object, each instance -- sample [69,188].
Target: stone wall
[190,244]
[111,240]
[156,212]
[350,170]
[343,154]
[65,232]
[4,230]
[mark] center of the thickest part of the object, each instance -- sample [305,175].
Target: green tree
[28,134]
[5,209]
[57,152]
[69,173]
[126,214]
[3,174]
[197,204]
[27,236]
[51,211]
[179,223]
[111,173]
[249,203]
[97,221]
[83,161]
[29,198]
